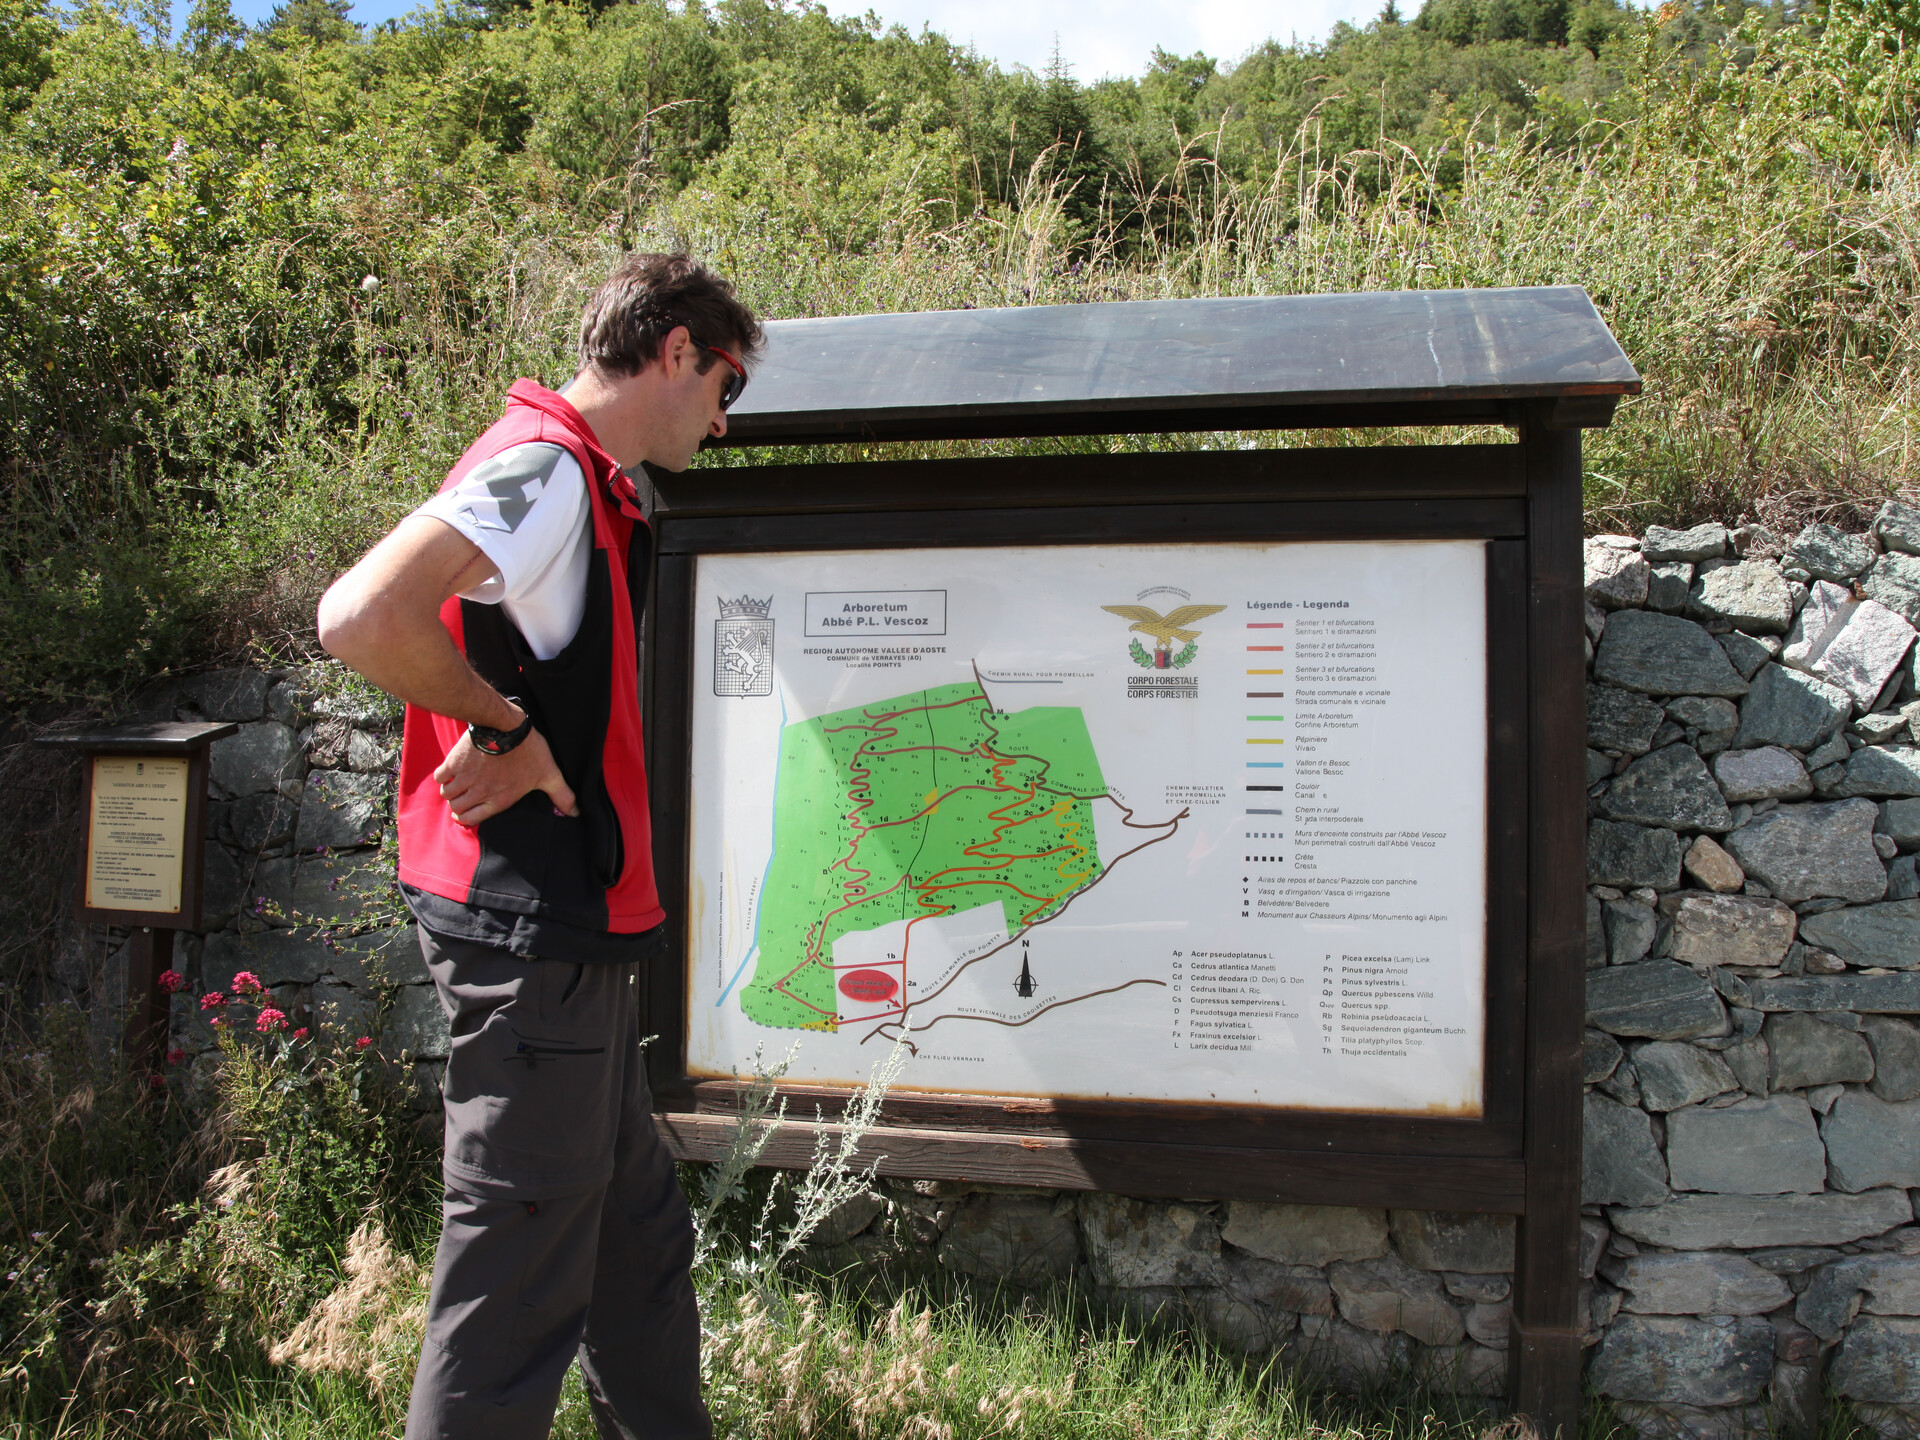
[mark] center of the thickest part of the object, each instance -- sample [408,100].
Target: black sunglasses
[736,382]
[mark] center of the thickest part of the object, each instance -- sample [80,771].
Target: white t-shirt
[527,510]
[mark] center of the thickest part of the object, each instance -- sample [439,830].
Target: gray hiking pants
[563,1226]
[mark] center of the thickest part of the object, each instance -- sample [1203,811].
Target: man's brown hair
[632,312]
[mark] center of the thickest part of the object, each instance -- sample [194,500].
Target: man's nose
[718,427]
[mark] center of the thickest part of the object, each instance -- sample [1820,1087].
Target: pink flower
[270,1019]
[175,1056]
[301,1033]
[217,1022]
[247,983]
[363,1042]
[171,980]
[157,1081]
[212,1000]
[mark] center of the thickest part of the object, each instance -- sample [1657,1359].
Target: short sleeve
[523,509]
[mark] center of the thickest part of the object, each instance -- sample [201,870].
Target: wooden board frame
[1522,1156]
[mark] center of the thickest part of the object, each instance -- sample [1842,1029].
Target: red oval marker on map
[868,985]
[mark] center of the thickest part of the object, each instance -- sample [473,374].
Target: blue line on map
[774,810]
[1266,812]
[1266,764]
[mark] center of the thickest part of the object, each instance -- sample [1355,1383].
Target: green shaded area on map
[921,805]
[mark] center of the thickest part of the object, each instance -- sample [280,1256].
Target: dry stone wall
[299,803]
[1752,1122]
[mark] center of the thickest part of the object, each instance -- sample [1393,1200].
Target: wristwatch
[489,741]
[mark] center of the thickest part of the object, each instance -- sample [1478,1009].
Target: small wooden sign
[145,799]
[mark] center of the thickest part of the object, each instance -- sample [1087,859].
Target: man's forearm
[424,668]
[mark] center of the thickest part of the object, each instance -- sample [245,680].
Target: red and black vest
[595,870]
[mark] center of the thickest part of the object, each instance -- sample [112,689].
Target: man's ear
[677,349]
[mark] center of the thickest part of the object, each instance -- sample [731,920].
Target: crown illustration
[746,605]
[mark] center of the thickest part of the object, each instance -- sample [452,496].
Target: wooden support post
[1544,1356]
[149,956]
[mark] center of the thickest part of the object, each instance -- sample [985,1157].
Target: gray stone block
[255,760]
[1709,1283]
[277,957]
[1632,856]
[1621,720]
[1785,707]
[226,694]
[1466,1369]
[252,823]
[1615,575]
[291,701]
[379,957]
[416,1025]
[1897,525]
[1903,878]
[1755,1147]
[1751,595]
[1669,585]
[1340,1355]
[1670,787]
[1631,928]
[340,809]
[1800,852]
[1896,1057]
[1596,935]
[1880,771]
[1135,1243]
[1018,1239]
[1712,867]
[1879,1360]
[1386,1294]
[1235,1323]
[1468,1244]
[1804,1051]
[1723,1361]
[223,885]
[354,888]
[1746,653]
[1876,1284]
[1894,581]
[1602,1054]
[1828,553]
[1757,1222]
[1486,1289]
[1731,930]
[1305,1234]
[1869,994]
[1299,1289]
[1871,1142]
[1884,727]
[1599,768]
[343,1013]
[1702,542]
[1656,999]
[1748,1060]
[1900,819]
[1768,773]
[1620,1164]
[1885,935]
[1663,655]
[1674,1074]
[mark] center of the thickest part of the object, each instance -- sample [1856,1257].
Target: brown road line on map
[1011,1024]
[1126,818]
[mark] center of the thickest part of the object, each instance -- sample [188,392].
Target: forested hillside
[259,286]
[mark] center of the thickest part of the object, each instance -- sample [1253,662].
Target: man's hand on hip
[477,786]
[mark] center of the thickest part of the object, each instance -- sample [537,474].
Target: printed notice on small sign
[876,612]
[136,833]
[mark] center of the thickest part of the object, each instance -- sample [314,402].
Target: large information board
[137,833]
[1169,822]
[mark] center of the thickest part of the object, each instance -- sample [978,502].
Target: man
[504,611]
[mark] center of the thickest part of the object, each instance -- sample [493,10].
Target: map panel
[1118,821]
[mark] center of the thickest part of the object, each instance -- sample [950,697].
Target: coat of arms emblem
[743,647]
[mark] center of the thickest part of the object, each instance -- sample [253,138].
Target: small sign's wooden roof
[1405,357]
[166,737]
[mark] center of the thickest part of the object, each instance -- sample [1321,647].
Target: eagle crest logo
[1165,629]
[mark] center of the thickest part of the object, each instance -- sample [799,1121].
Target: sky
[1107,38]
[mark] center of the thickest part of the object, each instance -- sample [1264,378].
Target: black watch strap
[489,741]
